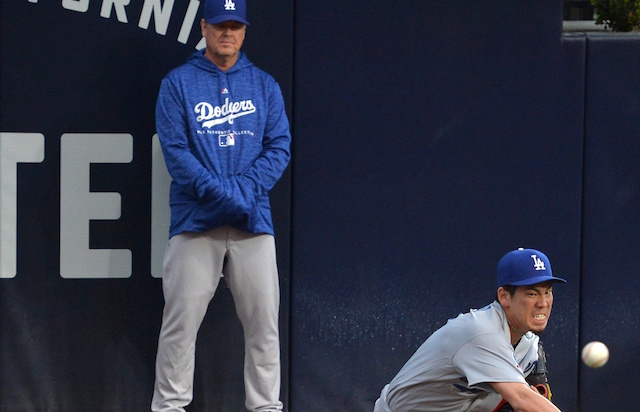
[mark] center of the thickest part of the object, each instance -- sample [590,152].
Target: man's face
[224,40]
[529,307]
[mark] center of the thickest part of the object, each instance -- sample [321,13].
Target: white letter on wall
[78,205]
[161,14]
[14,148]
[76,5]
[187,23]
[118,5]
[160,211]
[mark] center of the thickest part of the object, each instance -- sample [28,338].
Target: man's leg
[192,268]
[252,276]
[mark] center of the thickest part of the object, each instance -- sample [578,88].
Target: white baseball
[595,354]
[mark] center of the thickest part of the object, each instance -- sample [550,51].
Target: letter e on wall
[78,205]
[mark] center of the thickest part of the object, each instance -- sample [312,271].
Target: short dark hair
[509,288]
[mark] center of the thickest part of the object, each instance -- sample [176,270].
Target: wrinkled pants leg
[252,276]
[191,273]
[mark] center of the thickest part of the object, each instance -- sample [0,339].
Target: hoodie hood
[199,60]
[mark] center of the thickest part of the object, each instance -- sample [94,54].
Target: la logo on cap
[229,5]
[538,264]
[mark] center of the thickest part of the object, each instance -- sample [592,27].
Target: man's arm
[267,168]
[173,132]
[523,398]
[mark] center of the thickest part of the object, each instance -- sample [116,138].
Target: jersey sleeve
[487,358]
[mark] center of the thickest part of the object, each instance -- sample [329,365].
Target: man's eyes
[546,293]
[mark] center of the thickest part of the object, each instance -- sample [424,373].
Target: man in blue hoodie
[225,138]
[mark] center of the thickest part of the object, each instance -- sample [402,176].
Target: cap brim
[226,17]
[540,279]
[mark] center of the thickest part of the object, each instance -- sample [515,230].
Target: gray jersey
[451,371]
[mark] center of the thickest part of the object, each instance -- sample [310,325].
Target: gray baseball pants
[193,264]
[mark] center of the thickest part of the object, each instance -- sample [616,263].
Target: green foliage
[618,15]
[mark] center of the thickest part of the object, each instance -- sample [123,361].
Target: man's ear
[503,296]
[203,24]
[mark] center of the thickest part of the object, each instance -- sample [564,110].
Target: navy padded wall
[430,140]
[610,283]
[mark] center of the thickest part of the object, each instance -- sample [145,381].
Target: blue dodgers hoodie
[226,142]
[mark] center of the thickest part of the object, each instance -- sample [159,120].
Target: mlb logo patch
[225,140]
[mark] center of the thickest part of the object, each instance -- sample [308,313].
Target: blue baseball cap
[217,11]
[524,267]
